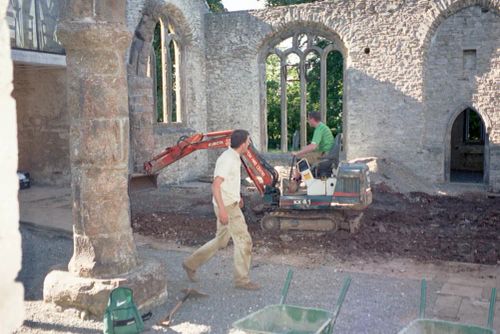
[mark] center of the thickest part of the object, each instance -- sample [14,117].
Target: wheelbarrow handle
[284,292]
[423,298]
[340,301]
[491,312]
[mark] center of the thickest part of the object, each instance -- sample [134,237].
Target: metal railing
[32,25]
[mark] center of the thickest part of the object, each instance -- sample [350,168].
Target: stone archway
[439,13]
[459,73]
[292,31]
[141,81]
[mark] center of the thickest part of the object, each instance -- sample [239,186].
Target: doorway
[467,156]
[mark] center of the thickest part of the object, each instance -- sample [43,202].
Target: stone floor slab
[476,312]
[462,290]
[479,282]
[447,307]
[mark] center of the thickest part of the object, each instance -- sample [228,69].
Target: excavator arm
[263,175]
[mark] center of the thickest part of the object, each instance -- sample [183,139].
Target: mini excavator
[333,190]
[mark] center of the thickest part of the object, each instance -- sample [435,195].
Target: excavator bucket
[142,182]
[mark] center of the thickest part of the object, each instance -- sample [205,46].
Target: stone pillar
[99,138]
[96,39]
[11,303]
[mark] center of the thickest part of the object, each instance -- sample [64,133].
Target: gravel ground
[374,304]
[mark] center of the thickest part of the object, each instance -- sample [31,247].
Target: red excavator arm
[262,174]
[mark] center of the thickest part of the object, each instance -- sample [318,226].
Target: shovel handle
[168,319]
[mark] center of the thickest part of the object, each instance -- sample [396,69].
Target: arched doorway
[468,148]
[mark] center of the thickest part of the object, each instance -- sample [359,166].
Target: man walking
[230,220]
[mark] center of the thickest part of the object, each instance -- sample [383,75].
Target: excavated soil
[416,225]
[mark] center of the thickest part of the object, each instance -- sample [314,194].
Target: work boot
[190,273]
[248,286]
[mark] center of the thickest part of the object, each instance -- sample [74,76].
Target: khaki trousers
[236,229]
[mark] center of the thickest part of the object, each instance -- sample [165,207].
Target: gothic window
[32,24]
[303,73]
[164,60]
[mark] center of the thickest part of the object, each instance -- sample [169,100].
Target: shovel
[167,321]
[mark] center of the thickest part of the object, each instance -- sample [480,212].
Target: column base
[148,282]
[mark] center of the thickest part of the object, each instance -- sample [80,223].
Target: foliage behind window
[473,127]
[275,3]
[216,6]
[158,73]
[334,91]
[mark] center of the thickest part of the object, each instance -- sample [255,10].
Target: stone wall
[389,55]
[233,85]
[43,124]
[11,303]
[148,137]
[462,66]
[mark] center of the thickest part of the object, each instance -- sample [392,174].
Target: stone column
[11,306]
[96,39]
[95,46]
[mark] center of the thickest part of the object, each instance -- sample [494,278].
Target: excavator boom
[262,174]
[185,146]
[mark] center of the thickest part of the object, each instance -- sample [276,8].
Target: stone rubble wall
[450,87]
[43,124]
[386,108]
[12,292]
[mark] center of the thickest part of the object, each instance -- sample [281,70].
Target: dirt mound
[396,176]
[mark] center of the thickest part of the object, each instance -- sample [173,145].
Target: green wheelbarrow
[433,326]
[290,319]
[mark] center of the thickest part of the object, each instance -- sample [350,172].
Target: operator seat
[324,168]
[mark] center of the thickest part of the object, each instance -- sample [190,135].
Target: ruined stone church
[417,74]
[96,96]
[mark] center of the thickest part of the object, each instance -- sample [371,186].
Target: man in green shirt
[322,141]
[321,144]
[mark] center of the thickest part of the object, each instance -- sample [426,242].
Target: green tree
[158,72]
[275,3]
[273,102]
[216,6]
[334,88]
